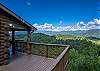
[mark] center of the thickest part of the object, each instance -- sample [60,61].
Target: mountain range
[87,33]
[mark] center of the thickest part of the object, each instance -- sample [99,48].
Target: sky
[53,13]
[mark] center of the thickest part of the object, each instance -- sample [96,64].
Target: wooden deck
[29,63]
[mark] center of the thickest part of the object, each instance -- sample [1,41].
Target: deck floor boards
[29,63]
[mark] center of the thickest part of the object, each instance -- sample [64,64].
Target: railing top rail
[59,58]
[62,54]
[46,44]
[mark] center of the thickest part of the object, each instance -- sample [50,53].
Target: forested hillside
[38,37]
[84,53]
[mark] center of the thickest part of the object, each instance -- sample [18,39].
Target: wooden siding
[4,42]
[10,20]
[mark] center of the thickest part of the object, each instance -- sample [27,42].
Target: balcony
[43,57]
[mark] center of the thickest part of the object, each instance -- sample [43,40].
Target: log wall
[4,41]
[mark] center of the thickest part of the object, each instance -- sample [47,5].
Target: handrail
[58,60]
[43,44]
[61,55]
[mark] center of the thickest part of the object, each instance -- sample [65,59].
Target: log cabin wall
[4,40]
[5,21]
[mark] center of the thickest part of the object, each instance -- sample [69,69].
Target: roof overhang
[17,17]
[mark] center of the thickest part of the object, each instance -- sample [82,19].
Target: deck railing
[61,61]
[57,51]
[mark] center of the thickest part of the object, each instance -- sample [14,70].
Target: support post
[47,51]
[29,47]
[13,42]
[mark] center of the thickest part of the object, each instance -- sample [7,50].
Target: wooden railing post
[30,48]
[28,44]
[13,41]
[47,51]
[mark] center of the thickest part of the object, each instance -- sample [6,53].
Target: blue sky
[68,12]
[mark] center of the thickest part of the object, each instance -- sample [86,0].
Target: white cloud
[81,22]
[45,26]
[91,22]
[95,24]
[97,21]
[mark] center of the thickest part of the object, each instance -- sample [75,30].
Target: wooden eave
[8,11]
